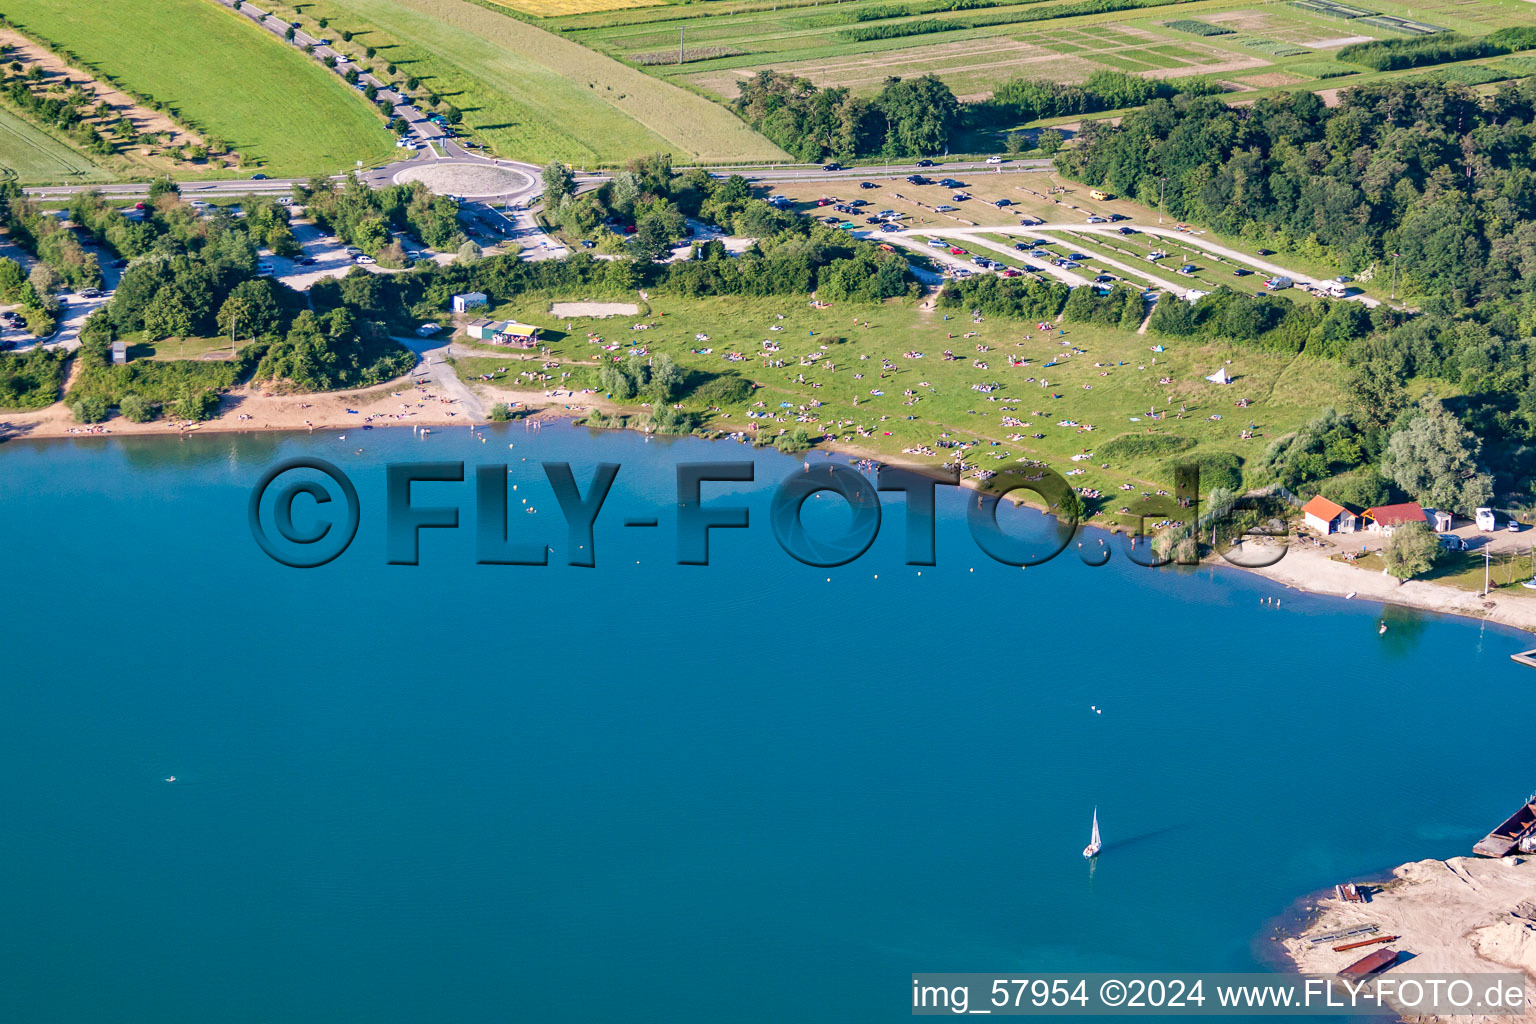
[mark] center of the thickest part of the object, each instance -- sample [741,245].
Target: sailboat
[1092,849]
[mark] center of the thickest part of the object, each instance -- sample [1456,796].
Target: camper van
[1100,195]
[1276,284]
[1485,520]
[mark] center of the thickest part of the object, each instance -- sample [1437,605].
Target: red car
[629,229]
[955,250]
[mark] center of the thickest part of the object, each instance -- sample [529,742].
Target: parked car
[951,183]
[944,209]
[938,243]
[1003,203]
[1241,272]
[587,243]
[1127,231]
[305,261]
[959,197]
[867,185]
[1097,220]
[955,250]
[263,267]
[1514,526]
[1266,252]
[363,261]
[1021,246]
[90,293]
[888,226]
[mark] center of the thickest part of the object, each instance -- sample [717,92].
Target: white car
[994,159]
[1097,220]
[363,260]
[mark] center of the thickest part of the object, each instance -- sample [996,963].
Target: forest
[1427,185]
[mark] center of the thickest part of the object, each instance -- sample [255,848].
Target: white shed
[469,300]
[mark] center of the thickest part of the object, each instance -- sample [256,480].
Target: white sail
[1095,840]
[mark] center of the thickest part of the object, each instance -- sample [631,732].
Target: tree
[235,317]
[90,409]
[1049,141]
[166,317]
[1434,459]
[666,377]
[559,182]
[1410,551]
[1013,143]
[44,279]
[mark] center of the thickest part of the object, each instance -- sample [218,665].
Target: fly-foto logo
[333,512]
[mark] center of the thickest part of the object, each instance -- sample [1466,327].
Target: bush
[200,405]
[501,412]
[136,409]
[1141,446]
[1217,469]
[31,381]
[723,390]
[90,409]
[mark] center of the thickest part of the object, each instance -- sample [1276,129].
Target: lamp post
[1394,275]
[1162,188]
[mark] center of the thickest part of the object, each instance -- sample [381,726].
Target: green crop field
[219,73]
[534,95]
[858,43]
[29,155]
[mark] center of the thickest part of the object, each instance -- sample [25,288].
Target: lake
[749,791]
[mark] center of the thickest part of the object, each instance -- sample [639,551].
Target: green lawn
[33,156]
[220,74]
[1284,391]
[534,95]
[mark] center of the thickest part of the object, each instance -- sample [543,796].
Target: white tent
[1220,377]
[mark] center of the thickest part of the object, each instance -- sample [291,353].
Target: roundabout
[471,179]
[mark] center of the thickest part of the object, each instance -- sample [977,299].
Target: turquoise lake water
[650,792]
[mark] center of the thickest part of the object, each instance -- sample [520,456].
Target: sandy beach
[1463,915]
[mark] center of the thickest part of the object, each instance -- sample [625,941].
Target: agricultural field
[534,95]
[555,8]
[1252,48]
[29,155]
[220,75]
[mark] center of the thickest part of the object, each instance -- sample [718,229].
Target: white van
[1485,520]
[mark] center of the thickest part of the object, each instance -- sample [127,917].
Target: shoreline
[1469,915]
[424,399]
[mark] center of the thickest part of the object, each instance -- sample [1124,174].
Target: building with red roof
[1386,518]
